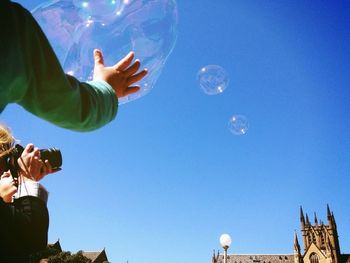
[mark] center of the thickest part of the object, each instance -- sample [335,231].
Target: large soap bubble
[59,20]
[99,10]
[213,79]
[147,27]
[238,125]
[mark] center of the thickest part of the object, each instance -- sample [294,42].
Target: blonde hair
[6,140]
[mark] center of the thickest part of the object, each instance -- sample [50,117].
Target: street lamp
[225,241]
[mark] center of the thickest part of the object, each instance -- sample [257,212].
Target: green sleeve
[32,77]
[72,104]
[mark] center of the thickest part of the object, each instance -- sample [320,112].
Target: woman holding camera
[24,217]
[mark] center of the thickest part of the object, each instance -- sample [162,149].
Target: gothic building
[320,240]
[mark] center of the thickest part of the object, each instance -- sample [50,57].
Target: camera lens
[53,155]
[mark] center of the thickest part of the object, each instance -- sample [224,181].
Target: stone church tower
[320,240]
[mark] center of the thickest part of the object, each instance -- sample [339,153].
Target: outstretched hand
[121,76]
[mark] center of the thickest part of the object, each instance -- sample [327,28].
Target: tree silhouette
[52,255]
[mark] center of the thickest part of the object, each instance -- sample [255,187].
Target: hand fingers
[137,77]
[31,150]
[131,90]
[124,62]
[133,68]
[28,148]
[98,58]
[47,166]
[37,162]
[45,169]
[36,152]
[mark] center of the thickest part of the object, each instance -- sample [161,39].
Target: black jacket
[23,228]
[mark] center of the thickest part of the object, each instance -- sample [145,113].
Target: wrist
[25,176]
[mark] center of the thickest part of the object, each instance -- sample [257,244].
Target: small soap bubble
[238,125]
[213,79]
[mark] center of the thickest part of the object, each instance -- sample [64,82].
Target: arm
[25,221]
[31,216]
[35,80]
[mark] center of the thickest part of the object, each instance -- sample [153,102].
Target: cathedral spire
[302,219]
[328,212]
[296,243]
[297,254]
[333,220]
[329,216]
[307,220]
[316,221]
[213,259]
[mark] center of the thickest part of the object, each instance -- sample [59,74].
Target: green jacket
[31,76]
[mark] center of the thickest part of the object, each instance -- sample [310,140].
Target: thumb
[98,58]
[29,148]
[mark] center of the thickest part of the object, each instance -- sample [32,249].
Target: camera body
[53,155]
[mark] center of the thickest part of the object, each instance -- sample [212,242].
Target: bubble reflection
[213,79]
[238,125]
[148,27]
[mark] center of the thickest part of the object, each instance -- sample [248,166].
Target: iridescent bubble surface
[59,20]
[238,125]
[213,79]
[100,10]
[147,27]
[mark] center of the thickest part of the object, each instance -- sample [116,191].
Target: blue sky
[166,178]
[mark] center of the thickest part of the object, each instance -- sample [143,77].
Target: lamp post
[225,241]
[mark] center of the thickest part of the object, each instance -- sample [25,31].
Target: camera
[53,155]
